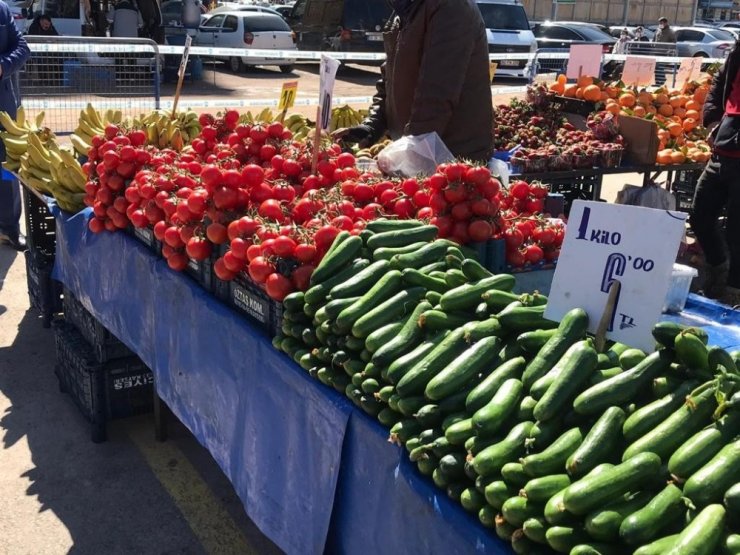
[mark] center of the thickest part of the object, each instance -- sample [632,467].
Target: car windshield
[721,34]
[265,22]
[592,33]
[504,16]
[366,14]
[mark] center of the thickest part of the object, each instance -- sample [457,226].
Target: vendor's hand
[360,134]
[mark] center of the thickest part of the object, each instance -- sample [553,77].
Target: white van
[508,32]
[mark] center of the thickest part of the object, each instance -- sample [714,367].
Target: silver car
[704,42]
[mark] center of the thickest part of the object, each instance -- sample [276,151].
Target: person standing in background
[664,33]
[13,54]
[435,79]
[620,47]
[125,20]
[719,187]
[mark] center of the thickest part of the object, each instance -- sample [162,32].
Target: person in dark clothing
[435,78]
[719,186]
[42,26]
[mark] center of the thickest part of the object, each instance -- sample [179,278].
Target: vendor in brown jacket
[435,78]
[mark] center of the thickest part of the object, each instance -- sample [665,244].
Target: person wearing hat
[664,32]
[435,79]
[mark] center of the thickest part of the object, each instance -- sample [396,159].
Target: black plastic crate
[201,271]
[249,299]
[102,392]
[684,201]
[104,344]
[685,181]
[577,187]
[41,227]
[568,105]
[146,237]
[44,292]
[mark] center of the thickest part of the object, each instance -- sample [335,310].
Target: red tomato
[345,160]
[444,223]
[410,187]
[278,286]
[437,182]
[455,193]
[477,175]
[325,236]
[232,263]
[96,225]
[198,248]
[421,198]
[455,172]
[301,277]
[260,268]
[515,258]
[438,203]
[482,207]
[513,238]
[284,246]
[460,233]
[252,174]
[271,209]
[534,254]
[217,233]
[519,190]
[535,205]
[253,251]
[387,197]
[372,211]
[544,236]
[363,193]
[344,223]
[305,253]
[222,273]
[479,231]
[462,212]
[552,255]
[425,213]
[239,248]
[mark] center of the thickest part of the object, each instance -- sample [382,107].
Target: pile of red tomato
[244,194]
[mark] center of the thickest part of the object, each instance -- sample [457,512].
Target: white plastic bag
[651,196]
[414,155]
[500,169]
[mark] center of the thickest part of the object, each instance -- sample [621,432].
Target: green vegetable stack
[556,447]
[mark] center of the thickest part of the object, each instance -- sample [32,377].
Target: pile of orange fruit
[677,112]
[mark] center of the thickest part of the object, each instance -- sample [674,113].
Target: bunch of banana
[373,151]
[344,116]
[164,132]
[265,116]
[299,125]
[16,136]
[92,123]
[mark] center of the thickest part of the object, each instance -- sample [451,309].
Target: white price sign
[612,242]
[327,74]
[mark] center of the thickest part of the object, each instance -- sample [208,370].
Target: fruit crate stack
[683,188]
[104,378]
[250,300]
[44,292]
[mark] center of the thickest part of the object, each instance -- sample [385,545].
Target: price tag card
[288,95]
[607,242]
[689,70]
[492,67]
[584,59]
[327,74]
[639,71]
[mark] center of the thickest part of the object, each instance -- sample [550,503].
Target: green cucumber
[388,417]
[336,259]
[543,434]
[522,545]
[481,311]
[474,271]
[535,529]
[489,461]
[599,444]
[540,490]
[452,419]
[658,547]
[416,379]
[317,294]
[575,367]
[408,406]
[452,466]
[429,415]
[532,341]
[514,475]
[623,387]
[385,254]
[692,352]
[498,492]
[667,436]
[370,387]
[603,524]
[427,467]
[731,544]
[294,302]
[498,300]
[603,374]
[385,288]
[597,549]
[381,225]
[709,484]
[360,283]
[404,430]
[523,318]
[572,328]
[489,419]
[589,493]
[631,358]
[429,269]
[699,449]
[454,278]
[644,419]
[406,338]
[472,500]
[526,409]
[665,333]
[467,296]
[387,312]
[487,516]
[555,512]
[702,536]
[564,538]
[552,460]
[433,298]
[732,500]
[454,491]
[436,320]
[381,336]
[403,364]
[429,253]
[491,327]
[504,530]
[717,357]
[458,433]
[413,276]
[644,525]
[454,403]
[476,444]
[517,510]
[665,385]
[399,238]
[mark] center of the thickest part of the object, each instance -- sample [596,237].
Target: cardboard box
[641,138]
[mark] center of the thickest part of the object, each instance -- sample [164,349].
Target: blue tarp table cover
[314,473]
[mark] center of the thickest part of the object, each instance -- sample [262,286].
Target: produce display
[676,112]
[556,447]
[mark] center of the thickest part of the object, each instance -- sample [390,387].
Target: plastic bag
[414,155]
[651,196]
[500,169]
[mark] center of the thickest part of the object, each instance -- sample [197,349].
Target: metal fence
[64,74]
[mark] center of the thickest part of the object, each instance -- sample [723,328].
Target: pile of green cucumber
[554,446]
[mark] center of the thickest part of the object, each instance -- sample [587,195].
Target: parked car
[340,25]
[285,10]
[508,32]
[236,7]
[561,35]
[703,42]
[240,29]
[616,30]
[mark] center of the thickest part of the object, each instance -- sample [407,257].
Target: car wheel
[235,64]
[287,69]
[701,55]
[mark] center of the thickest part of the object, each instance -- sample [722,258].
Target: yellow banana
[152,134]
[176,140]
[20,117]
[94,117]
[15,146]
[11,126]
[163,140]
[37,157]
[40,118]
[81,145]
[88,129]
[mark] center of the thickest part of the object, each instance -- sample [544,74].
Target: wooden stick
[606,317]
[180,79]
[316,141]
[281,118]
